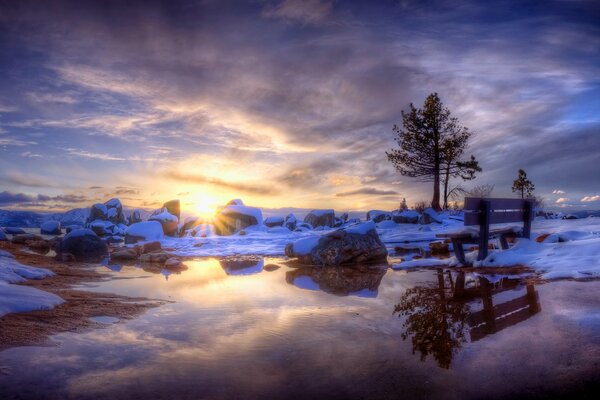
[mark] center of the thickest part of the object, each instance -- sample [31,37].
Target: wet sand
[35,327]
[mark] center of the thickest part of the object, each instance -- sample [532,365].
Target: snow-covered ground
[571,251]
[16,298]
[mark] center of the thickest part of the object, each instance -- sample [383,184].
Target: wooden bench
[485,212]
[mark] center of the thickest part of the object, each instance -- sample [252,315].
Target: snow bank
[164,216]
[149,230]
[14,298]
[360,228]
[244,210]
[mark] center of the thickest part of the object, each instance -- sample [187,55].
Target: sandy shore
[34,328]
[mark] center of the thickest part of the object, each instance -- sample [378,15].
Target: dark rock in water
[21,239]
[150,247]
[378,216]
[291,222]
[354,244]
[242,265]
[234,218]
[173,208]
[50,228]
[271,267]
[429,216]
[14,231]
[84,244]
[318,218]
[274,221]
[125,254]
[362,281]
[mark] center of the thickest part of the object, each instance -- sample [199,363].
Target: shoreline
[34,328]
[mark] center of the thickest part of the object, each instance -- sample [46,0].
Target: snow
[305,246]
[2,236]
[387,224]
[274,220]
[164,216]
[101,207]
[112,212]
[14,298]
[409,214]
[149,230]
[361,228]
[113,203]
[79,232]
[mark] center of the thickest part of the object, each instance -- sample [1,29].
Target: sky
[289,103]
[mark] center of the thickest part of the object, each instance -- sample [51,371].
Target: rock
[27,237]
[114,211]
[337,222]
[242,233]
[14,231]
[115,239]
[168,221]
[569,216]
[274,221]
[242,265]
[173,207]
[542,237]
[143,231]
[124,254]
[50,228]
[65,257]
[234,218]
[156,257]
[40,246]
[439,248]
[430,215]
[359,281]
[235,202]
[3,236]
[150,247]
[69,228]
[101,227]
[173,263]
[302,227]
[290,222]
[271,267]
[406,217]
[98,212]
[135,217]
[354,244]
[190,223]
[344,217]
[378,215]
[318,218]
[84,244]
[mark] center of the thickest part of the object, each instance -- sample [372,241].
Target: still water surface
[256,328]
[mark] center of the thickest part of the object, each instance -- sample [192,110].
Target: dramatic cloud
[292,102]
[367,190]
[588,199]
[7,198]
[561,200]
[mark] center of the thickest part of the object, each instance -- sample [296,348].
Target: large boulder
[429,216]
[168,221]
[355,244]
[233,218]
[406,217]
[14,231]
[173,207]
[144,231]
[274,221]
[317,218]
[111,211]
[378,215]
[84,244]
[134,217]
[98,212]
[50,228]
[101,227]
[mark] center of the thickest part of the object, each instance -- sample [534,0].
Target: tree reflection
[435,321]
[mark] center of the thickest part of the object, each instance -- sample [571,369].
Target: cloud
[8,141]
[29,154]
[306,11]
[105,156]
[557,191]
[201,179]
[587,199]
[562,200]
[8,198]
[22,179]
[367,191]
[126,191]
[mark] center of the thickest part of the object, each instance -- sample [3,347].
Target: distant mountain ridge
[33,219]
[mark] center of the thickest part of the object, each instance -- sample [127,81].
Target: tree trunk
[446,181]
[435,203]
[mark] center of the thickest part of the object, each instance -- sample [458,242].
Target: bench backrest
[484,212]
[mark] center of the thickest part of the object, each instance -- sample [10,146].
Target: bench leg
[459,251]
[483,248]
[503,242]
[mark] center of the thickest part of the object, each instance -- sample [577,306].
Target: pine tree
[431,143]
[523,185]
[403,206]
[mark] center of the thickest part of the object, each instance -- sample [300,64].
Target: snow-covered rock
[168,221]
[144,231]
[134,217]
[274,221]
[173,207]
[354,244]
[84,244]
[290,222]
[234,218]
[318,218]
[14,231]
[50,228]
[378,215]
[429,216]
[406,217]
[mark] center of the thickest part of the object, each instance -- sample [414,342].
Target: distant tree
[523,185]
[420,206]
[480,191]
[403,206]
[431,143]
